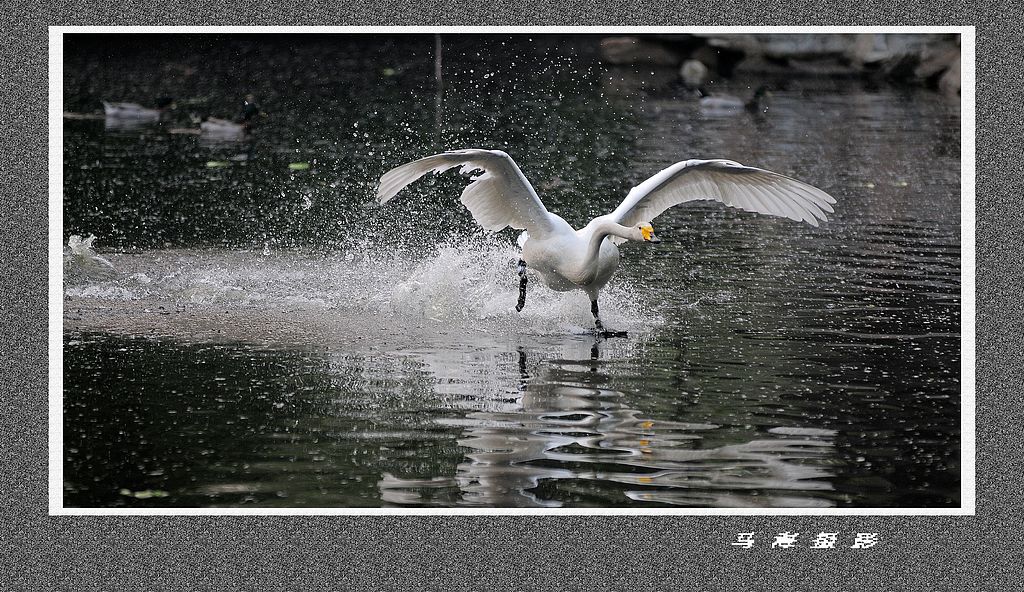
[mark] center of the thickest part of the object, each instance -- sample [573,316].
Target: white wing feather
[728,182]
[499,196]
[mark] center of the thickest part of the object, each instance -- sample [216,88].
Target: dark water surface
[273,338]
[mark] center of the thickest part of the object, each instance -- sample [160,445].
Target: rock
[949,83]
[634,50]
[936,60]
[868,50]
[900,68]
[872,50]
[694,73]
[802,47]
[896,57]
[783,47]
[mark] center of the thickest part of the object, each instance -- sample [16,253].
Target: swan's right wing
[498,197]
[728,182]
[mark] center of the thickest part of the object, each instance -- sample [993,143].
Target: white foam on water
[466,282]
[101,292]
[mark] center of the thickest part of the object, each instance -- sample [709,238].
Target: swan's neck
[602,230]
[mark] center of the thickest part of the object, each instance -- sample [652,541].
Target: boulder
[635,50]
[694,73]
[900,68]
[876,50]
[949,83]
[936,60]
[869,50]
[782,47]
[897,57]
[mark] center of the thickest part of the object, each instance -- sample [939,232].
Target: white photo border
[967,276]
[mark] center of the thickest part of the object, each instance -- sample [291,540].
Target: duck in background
[241,125]
[136,112]
[730,105]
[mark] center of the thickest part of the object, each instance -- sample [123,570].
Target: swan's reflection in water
[560,436]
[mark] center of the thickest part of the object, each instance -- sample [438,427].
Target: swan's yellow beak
[648,233]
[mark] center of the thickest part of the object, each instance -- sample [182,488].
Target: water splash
[465,281]
[82,262]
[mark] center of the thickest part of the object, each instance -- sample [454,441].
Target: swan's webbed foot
[521,268]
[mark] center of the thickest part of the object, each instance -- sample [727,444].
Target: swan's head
[646,233]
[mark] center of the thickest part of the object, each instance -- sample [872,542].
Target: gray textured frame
[508,552]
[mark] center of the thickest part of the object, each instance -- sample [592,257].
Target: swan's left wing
[728,182]
[499,196]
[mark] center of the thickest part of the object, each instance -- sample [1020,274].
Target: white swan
[585,259]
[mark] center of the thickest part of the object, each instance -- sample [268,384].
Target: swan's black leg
[522,285]
[600,326]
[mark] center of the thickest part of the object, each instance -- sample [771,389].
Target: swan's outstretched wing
[747,188]
[500,196]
